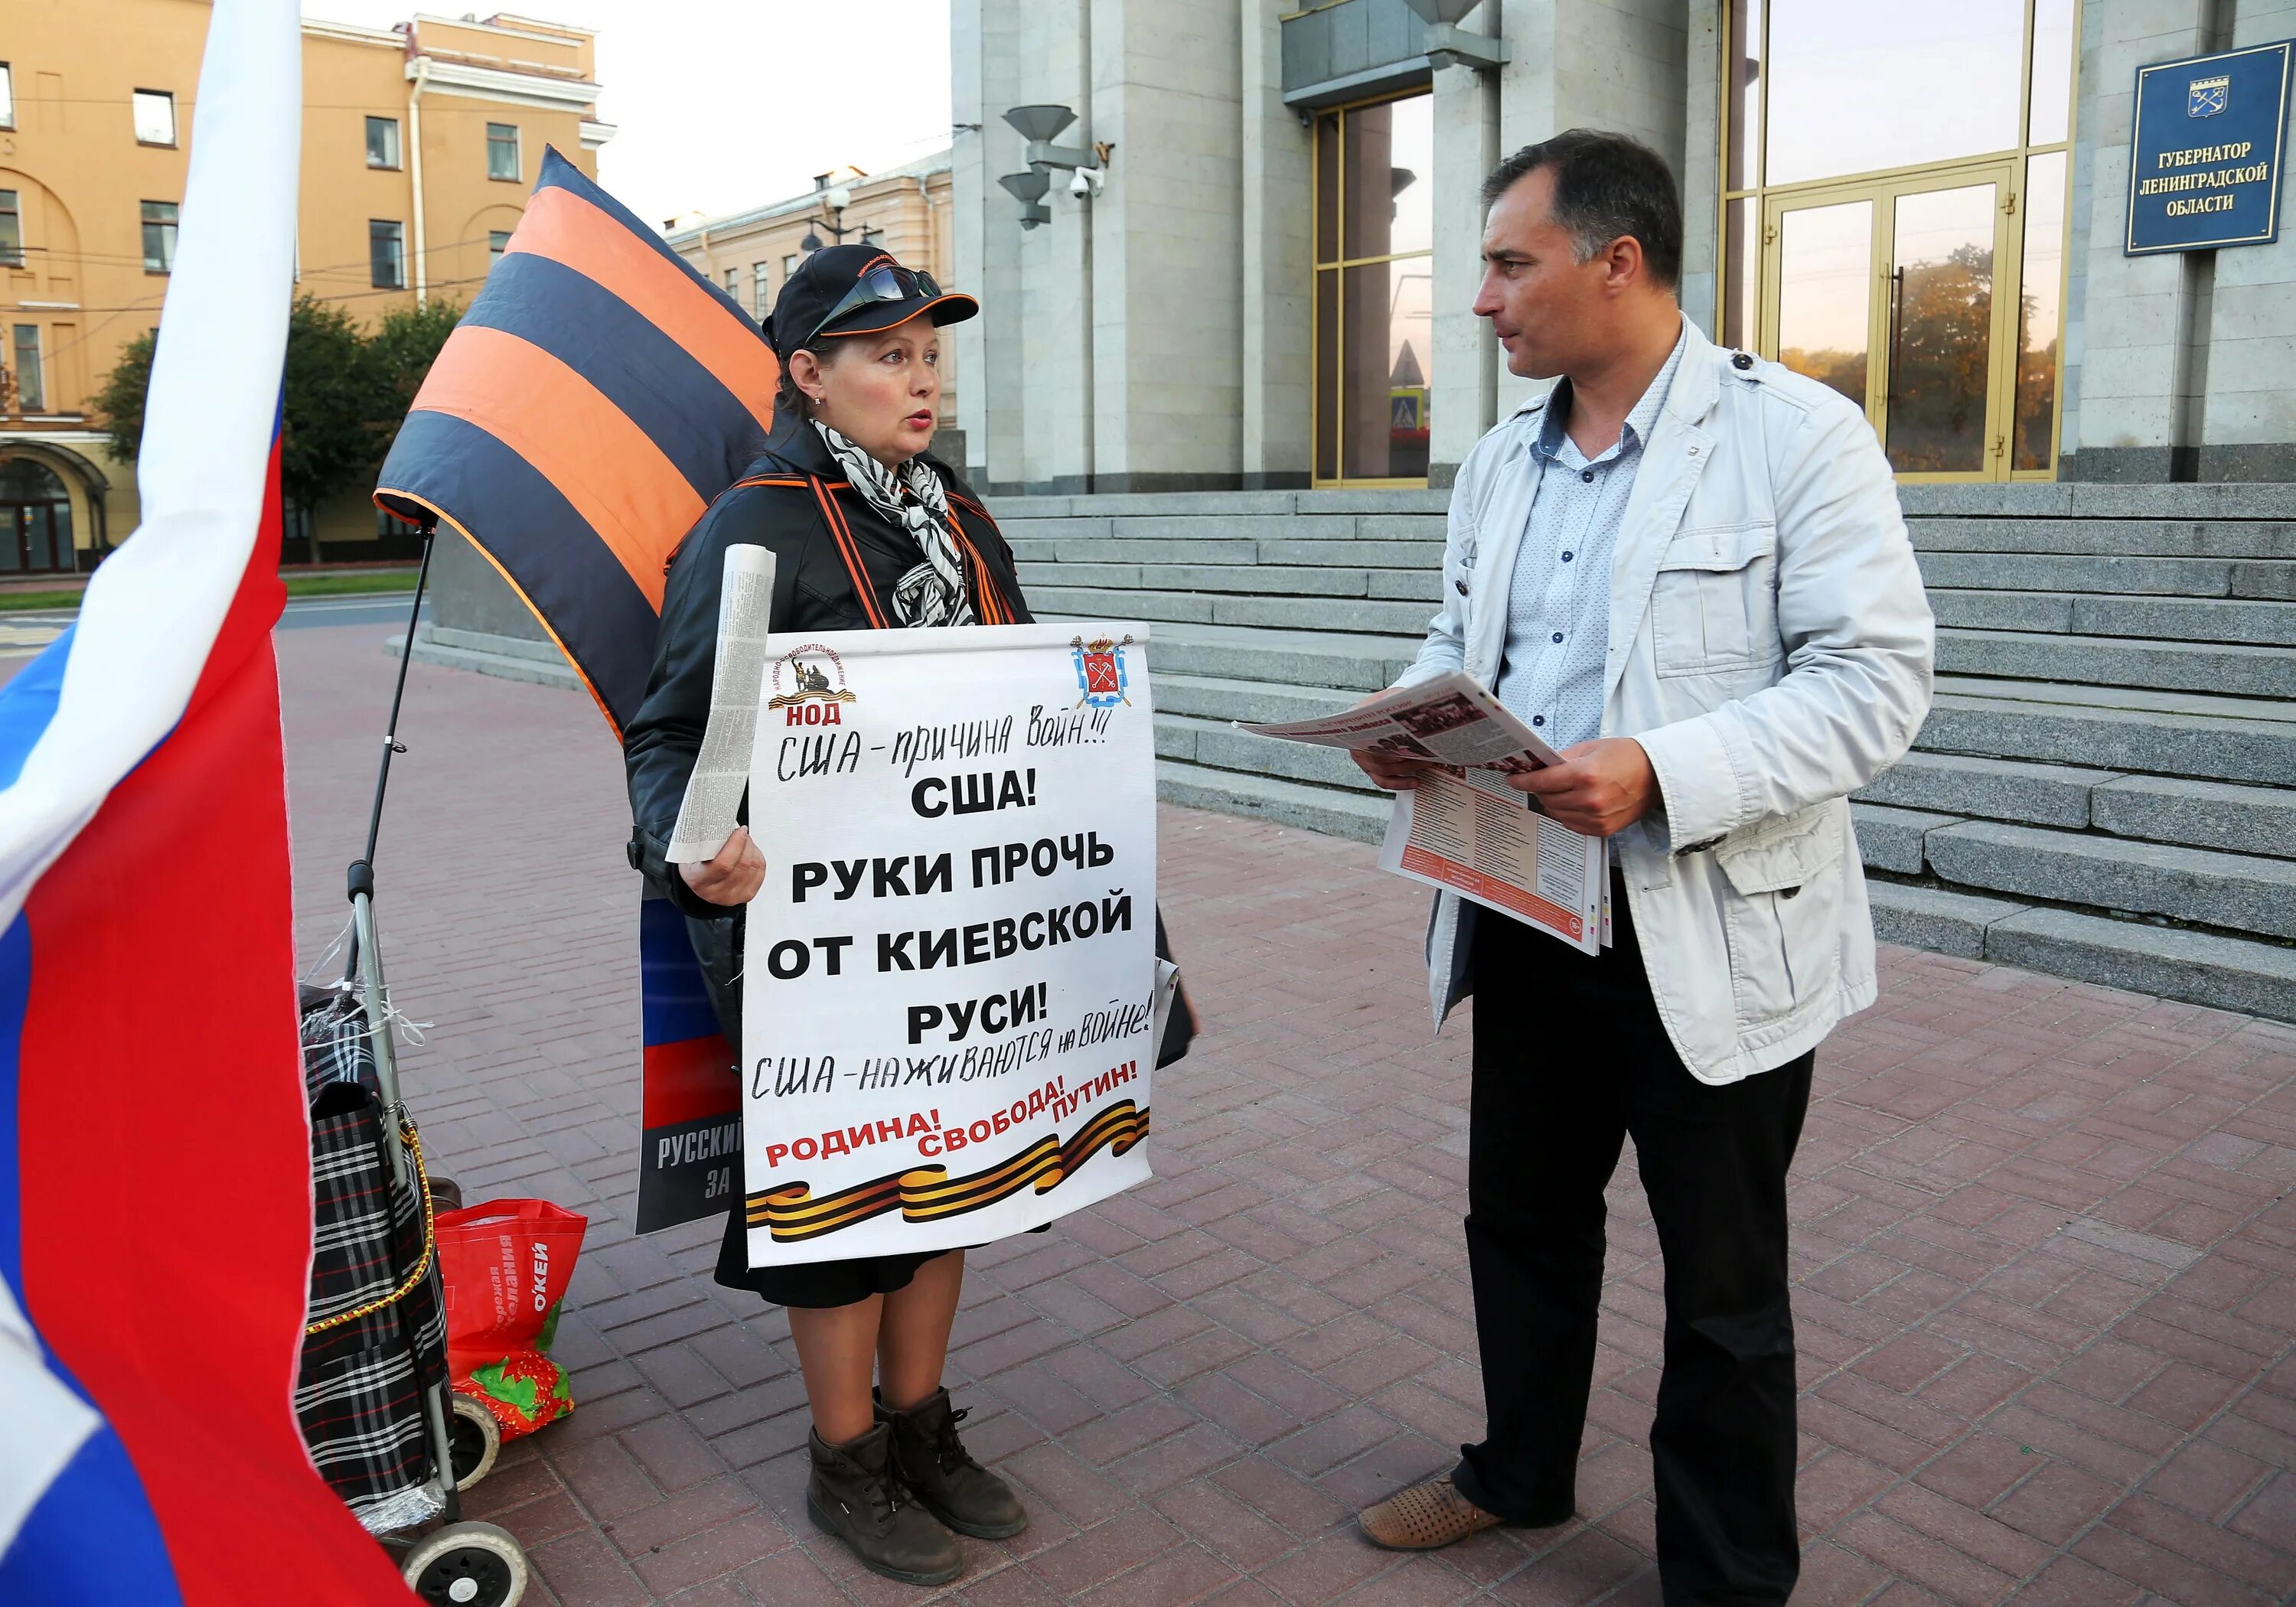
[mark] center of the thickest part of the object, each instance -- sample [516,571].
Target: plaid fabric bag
[358,1392]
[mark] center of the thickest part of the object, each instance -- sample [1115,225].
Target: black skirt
[812,1285]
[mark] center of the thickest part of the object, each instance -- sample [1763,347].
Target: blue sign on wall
[2205,156]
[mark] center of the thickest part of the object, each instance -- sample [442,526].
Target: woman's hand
[734,877]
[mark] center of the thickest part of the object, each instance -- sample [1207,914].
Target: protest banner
[949,979]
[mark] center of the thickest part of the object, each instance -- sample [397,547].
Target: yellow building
[905,210]
[420,146]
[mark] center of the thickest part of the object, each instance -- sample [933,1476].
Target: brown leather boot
[857,1494]
[954,1488]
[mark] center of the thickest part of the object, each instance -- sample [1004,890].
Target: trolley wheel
[473,1439]
[467,1565]
[446,1194]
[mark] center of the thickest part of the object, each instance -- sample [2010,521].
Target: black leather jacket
[837,560]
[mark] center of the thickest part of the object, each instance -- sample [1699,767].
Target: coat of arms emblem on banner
[1101,675]
[807,670]
[2206,97]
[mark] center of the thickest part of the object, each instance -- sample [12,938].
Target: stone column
[2249,401]
[1463,398]
[982,45]
[2143,337]
[1278,259]
[1056,343]
[1167,89]
[1701,170]
[1611,64]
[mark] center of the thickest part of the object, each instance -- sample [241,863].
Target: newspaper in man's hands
[1452,720]
[721,770]
[1464,829]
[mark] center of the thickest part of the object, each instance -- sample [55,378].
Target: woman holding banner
[868,531]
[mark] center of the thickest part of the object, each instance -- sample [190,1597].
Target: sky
[724,104]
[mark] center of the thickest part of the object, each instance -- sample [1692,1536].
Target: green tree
[346,392]
[120,397]
[401,351]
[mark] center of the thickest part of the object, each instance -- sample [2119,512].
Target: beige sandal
[1424,1517]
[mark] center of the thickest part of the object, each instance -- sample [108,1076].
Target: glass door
[1887,291]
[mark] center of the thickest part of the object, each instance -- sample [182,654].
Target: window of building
[1895,205]
[502,150]
[155,117]
[386,253]
[11,230]
[734,286]
[497,242]
[159,237]
[7,96]
[36,528]
[789,266]
[1374,237]
[32,374]
[760,288]
[382,142]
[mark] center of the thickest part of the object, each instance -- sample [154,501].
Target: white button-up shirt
[1559,604]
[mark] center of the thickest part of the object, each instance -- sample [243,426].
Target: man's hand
[1392,771]
[734,877]
[1599,789]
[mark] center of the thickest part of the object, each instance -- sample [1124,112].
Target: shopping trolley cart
[378,1414]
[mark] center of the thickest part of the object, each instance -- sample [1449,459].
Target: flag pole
[361,874]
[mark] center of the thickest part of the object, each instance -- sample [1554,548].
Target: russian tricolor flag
[155,1192]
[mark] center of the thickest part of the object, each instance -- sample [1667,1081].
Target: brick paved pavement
[2045,1246]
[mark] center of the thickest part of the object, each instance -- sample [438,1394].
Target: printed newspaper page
[721,770]
[1469,831]
[1476,837]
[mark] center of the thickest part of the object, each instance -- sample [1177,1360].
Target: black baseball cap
[856,289]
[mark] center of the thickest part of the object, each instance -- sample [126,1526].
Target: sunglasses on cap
[884,282]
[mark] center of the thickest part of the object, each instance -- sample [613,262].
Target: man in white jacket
[1686,568]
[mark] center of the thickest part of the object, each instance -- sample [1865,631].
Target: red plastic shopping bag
[505,1266]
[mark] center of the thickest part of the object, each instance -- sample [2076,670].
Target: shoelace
[949,1451]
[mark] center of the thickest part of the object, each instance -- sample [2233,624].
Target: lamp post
[1448,44]
[836,198]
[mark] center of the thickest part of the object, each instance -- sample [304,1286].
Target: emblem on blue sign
[2208,97]
[1100,674]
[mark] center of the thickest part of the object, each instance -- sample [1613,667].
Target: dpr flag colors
[148,1042]
[690,1127]
[948,1030]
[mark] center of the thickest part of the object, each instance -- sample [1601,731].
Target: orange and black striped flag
[594,399]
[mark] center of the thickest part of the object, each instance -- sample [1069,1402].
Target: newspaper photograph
[1463,828]
[707,816]
[1452,720]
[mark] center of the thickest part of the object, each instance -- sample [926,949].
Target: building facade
[1263,280]
[906,210]
[420,145]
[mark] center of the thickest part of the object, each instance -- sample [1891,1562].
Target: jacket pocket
[1783,920]
[1714,602]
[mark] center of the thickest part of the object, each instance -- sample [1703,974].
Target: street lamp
[836,198]
[1039,125]
[1448,44]
[1028,189]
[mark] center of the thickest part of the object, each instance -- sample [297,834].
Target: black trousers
[1571,1057]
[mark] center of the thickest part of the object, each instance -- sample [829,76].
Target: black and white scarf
[933,592]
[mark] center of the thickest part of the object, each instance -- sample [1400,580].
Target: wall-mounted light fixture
[1028,189]
[1448,44]
[1039,125]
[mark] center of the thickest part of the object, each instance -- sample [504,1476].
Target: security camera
[1087,183]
